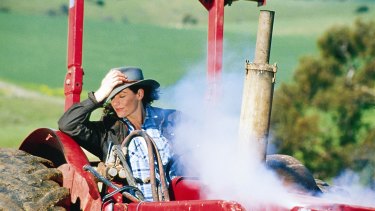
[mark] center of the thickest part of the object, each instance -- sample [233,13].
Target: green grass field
[34,44]
[21,114]
[151,35]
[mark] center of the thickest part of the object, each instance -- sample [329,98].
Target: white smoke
[207,140]
[347,189]
[208,137]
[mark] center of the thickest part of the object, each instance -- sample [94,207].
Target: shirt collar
[149,122]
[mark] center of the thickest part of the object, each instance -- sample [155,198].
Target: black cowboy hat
[134,77]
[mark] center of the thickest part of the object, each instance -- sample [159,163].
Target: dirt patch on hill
[12,90]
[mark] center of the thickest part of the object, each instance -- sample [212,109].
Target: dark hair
[150,94]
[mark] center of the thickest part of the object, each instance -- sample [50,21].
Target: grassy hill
[22,111]
[154,35]
[166,38]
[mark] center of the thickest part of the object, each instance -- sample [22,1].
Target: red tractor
[51,171]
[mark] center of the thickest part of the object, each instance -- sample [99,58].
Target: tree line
[325,116]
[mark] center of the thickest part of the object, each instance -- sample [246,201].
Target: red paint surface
[184,188]
[214,43]
[74,76]
[196,205]
[185,192]
[68,156]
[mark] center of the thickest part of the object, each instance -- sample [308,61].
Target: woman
[129,97]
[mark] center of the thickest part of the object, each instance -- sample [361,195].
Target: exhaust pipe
[258,91]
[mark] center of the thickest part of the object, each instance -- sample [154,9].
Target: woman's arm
[76,123]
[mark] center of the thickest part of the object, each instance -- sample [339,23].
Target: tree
[321,117]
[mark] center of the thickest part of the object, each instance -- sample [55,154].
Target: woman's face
[126,102]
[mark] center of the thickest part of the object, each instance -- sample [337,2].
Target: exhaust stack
[258,90]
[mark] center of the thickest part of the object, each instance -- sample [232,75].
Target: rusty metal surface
[261,68]
[264,37]
[258,92]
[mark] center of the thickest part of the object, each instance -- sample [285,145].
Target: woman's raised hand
[110,81]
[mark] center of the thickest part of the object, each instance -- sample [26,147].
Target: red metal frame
[74,77]
[215,38]
[70,158]
[185,188]
[65,153]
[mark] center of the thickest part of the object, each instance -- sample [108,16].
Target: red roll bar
[74,77]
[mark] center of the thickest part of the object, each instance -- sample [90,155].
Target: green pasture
[19,116]
[302,16]
[33,50]
[156,35]
[153,35]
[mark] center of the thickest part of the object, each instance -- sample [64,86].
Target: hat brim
[143,83]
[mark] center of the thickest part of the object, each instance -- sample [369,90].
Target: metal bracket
[262,67]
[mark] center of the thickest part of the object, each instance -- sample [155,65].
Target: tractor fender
[69,158]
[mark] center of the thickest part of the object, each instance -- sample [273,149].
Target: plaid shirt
[138,154]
